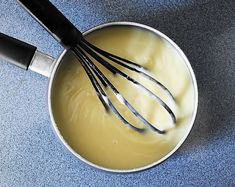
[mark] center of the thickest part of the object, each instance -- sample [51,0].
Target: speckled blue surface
[31,154]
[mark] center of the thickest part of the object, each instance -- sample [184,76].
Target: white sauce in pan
[101,137]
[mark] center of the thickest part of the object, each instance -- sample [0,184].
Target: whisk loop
[93,71]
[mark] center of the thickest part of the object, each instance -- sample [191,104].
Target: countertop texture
[31,154]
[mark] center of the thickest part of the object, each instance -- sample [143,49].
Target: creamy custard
[100,137]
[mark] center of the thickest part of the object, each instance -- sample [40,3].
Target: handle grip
[53,21]
[16,52]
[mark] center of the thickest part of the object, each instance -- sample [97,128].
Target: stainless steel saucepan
[27,57]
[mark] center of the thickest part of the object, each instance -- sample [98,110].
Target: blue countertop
[31,154]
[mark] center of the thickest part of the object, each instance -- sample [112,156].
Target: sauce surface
[100,137]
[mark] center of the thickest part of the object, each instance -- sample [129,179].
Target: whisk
[71,38]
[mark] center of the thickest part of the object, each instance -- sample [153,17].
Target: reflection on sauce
[99,136]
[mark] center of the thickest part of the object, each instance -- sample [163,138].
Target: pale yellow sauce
[100,137]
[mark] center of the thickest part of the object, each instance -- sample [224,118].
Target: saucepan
[28,57]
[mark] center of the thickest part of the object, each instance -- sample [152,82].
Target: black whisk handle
[54,21]
[16,52]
